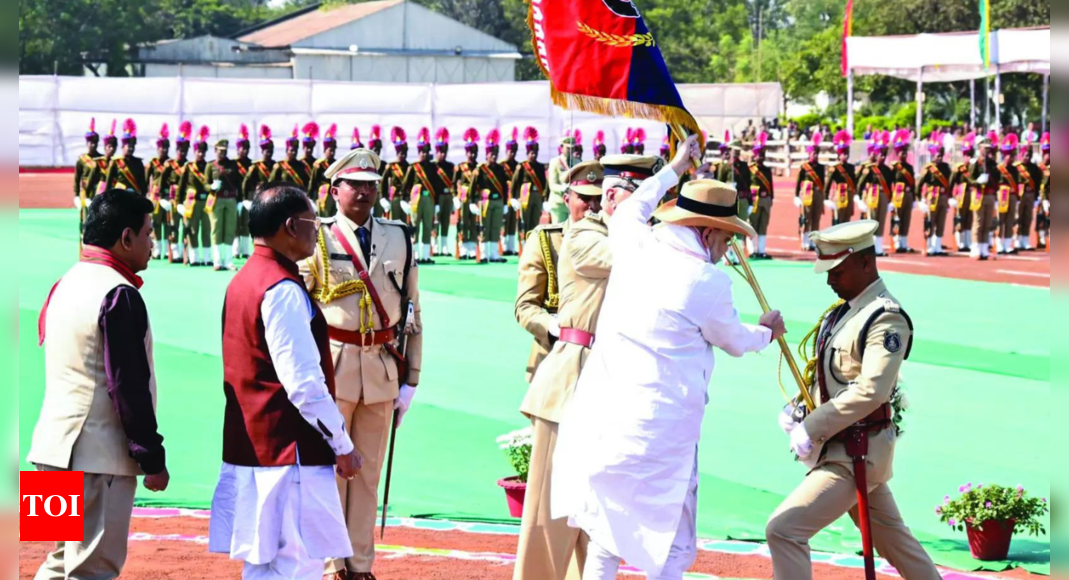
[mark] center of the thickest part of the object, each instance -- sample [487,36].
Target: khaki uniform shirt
[862,373]
[538,294]
[368,375]
[584,266]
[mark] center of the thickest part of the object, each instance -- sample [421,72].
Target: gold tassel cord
[324,293]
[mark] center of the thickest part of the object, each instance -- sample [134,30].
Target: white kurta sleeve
[287,313]
[629,227]
[722,328]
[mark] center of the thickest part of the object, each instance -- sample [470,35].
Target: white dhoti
[282,522]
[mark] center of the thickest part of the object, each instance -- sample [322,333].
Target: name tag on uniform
[341,257]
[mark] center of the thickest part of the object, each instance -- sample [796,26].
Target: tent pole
[972,102]
[920,115]
[850,102]
[998,102]
[1046,100]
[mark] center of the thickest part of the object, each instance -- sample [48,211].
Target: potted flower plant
[517,446]
[991,515]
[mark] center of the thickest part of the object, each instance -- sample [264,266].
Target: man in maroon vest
[276,507]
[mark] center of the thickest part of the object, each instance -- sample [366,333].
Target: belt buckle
[370,342]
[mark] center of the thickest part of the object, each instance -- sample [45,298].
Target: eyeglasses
[318,223]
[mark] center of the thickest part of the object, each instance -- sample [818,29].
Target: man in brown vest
[99,412]
[276,507]
[363,275]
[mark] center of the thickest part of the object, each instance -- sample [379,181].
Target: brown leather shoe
[361,576]
[336,576]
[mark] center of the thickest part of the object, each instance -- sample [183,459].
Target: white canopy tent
[950,57]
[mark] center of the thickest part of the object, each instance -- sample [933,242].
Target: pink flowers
[965,488]
[938,510]
[953,523]
[988,505]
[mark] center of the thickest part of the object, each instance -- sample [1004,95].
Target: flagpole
[751,279]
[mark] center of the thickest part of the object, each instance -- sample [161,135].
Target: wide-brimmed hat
[837,243]
[357,165]
[706,203]
[586,179]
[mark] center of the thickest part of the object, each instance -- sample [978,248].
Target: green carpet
[978,381]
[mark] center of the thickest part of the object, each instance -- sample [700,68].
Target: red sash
[397,171]
[883,180]
[197,174]
[509,171]
[817,181]
[934,169]
[90,255]
[260,165]
[129,176]
[534,176]
[1023,172]
[446,179]
[850,185]
[1009,177]
[910,180]
[293,173]
[756,171]
[467,174]
[493,179]
[242,170]
[423,177]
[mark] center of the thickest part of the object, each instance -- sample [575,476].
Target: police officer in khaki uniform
[546,545]
[861,346]
[538,291]
[557,171]
[369,323]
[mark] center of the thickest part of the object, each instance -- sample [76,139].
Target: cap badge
[364,163]
[592,176]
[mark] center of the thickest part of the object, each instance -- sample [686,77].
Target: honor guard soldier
[423,187]
[638,141]
[1043,218]
[242,240]
[984,203]
[513,208]
[1030,177]
[935,189]
[842,181]
[666,150]
[468,224]
[170,197]
[311,135]
[762,194]
[444,204]
[903,192]
[599,149]
[875,185]
[809,192]
[194,189]
[627,147]
[157,191]
[391,189]
[864,172]
[260,172]
[364,278]
[1009,194]
[222,206]
[318,185]
[491,185]
[547,545]
[375,144]
[291,170]
[736,173]
[83,169]
[97,177]
[558,169]
[848,440]
[961,187]
[128,171]
[529,184]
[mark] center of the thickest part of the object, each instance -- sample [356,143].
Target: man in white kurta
[626,458]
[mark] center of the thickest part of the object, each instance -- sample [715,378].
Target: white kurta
[261,515]
[626,450]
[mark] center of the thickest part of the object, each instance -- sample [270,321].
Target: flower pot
[992,543]
[515,492]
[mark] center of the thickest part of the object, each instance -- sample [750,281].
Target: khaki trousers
[939,217]
[197,227]
[494,221]
[1026,211]
[423,221]
[369,426]
[109,504]
[824,496]
[905,215]
[546,545]
[762,215]
[532,215]
[984,220]
[1008,221]
[814,213]
[224,220]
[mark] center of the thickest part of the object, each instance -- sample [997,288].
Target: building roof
[292,29]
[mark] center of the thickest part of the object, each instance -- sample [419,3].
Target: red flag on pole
[848,30]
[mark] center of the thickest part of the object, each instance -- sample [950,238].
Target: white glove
[384,204]
[800,442]
[78,203]
[403,402]
[516,205]
[182,208]
[247,204]
[918,206]
[797,202]
[858,200]
[406,207]
[786,419]
[217,185]
[830,205]
[1046,206]
[554,328]
[437,209]
[165,205]
[983,179]
[953,202]
[473,208]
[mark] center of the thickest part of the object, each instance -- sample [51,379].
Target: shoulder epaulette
[327,222]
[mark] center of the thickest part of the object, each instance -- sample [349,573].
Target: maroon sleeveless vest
[261,427]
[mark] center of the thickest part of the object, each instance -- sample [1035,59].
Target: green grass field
[979,382]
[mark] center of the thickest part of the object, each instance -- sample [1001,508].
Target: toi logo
[52,506]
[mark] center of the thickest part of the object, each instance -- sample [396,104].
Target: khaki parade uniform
[813,174]
[538,294]
[763,195]
[367,375]
[558,169]
[529,186]
[547,545]
[841,188]
[737,174]
[875,185]
[905,180]
[984,204]
[936,195]
[223,210]
[1007,204]
[961,187]
[83,169]
[861,348]
[1030,178]
[194,187]
[156,192]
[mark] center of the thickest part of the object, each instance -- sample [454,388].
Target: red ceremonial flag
[600,57]
[848,30]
